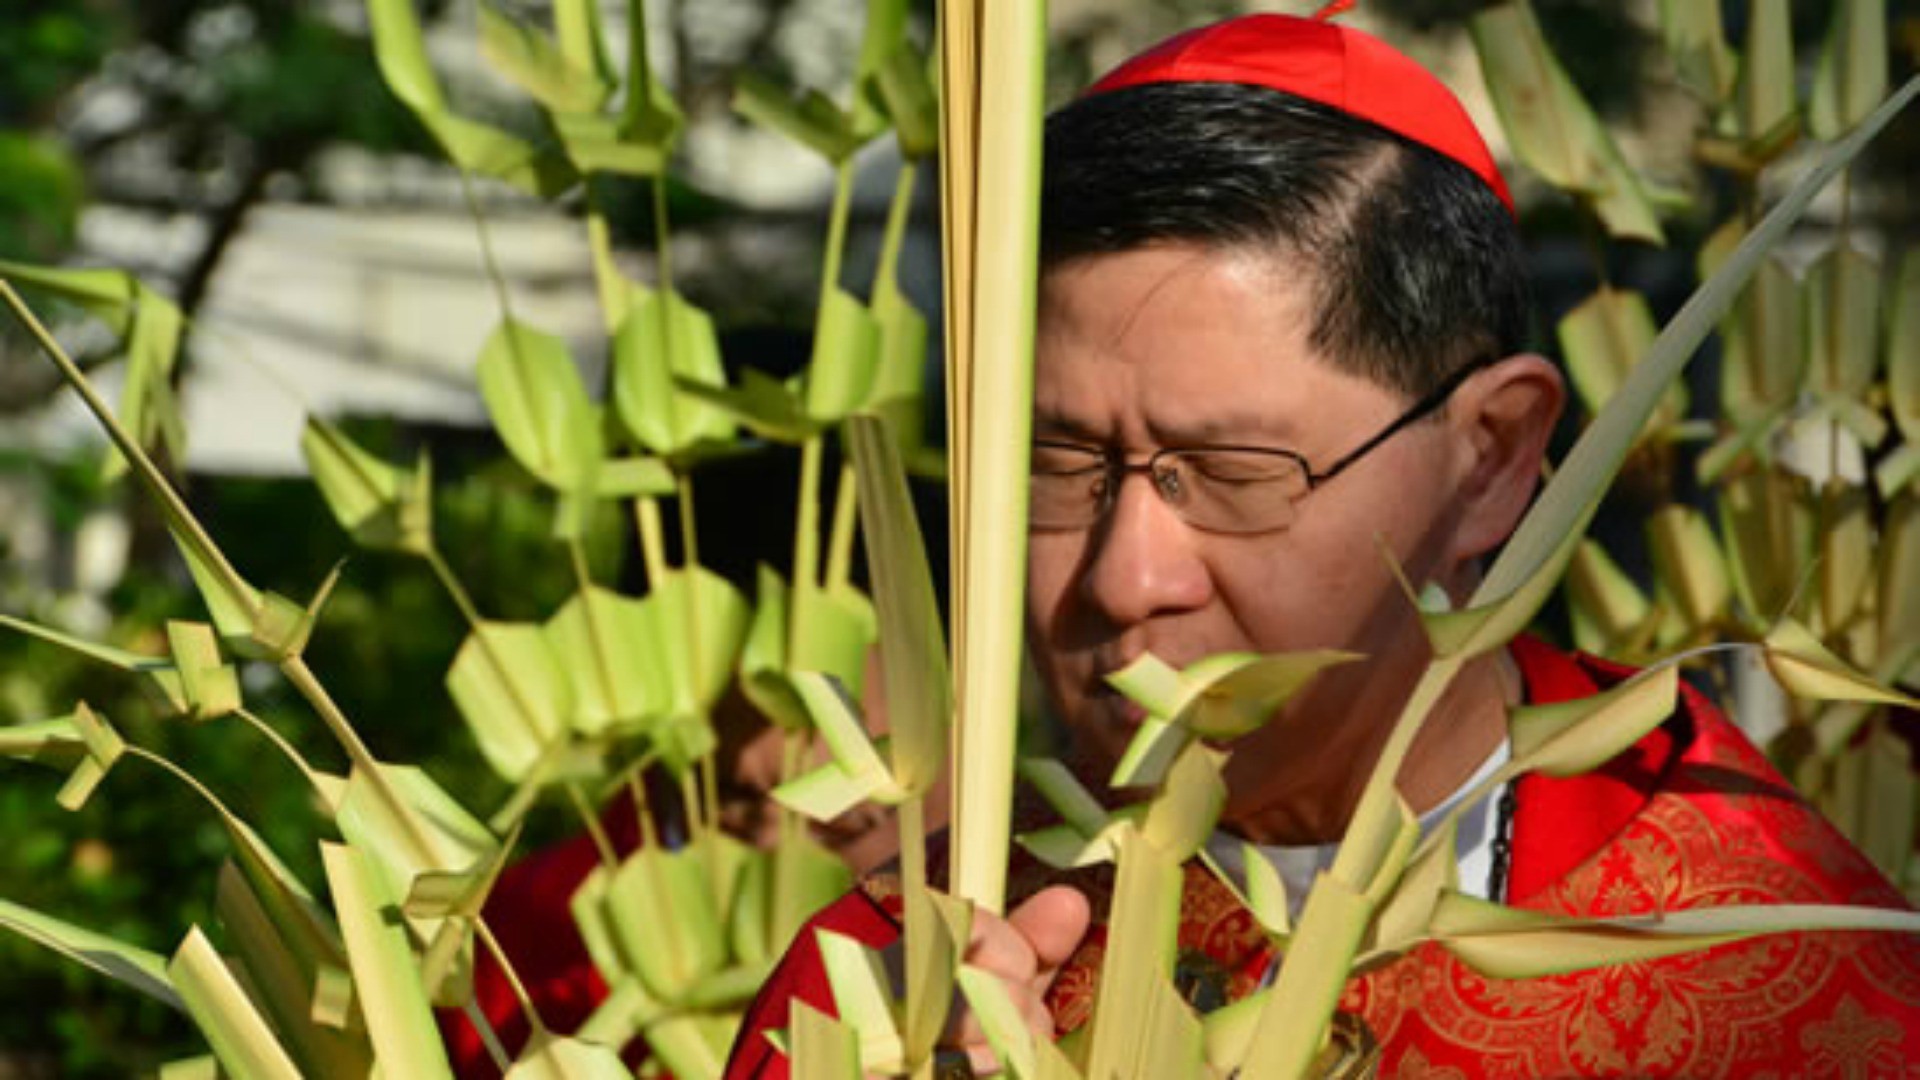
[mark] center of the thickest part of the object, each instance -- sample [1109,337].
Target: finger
[973,1039]
[1052,922]
[963,1029]
[1024,951]
[1039,1018]
[996,947]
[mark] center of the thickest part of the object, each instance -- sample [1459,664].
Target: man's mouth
[1117,707]
[850,826]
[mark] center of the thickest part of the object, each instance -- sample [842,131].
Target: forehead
[1131,305]
[1178,342]
[1278,269]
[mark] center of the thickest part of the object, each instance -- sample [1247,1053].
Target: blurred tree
[187,110]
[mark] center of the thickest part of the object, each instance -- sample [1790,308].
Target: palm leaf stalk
[990,65]
[992,69]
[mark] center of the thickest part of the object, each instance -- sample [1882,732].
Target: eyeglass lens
[1218,489]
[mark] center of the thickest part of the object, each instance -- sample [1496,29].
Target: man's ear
[1505,416]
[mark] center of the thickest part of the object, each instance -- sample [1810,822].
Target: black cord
[1502,846]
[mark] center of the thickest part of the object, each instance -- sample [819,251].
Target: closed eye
[1062,460]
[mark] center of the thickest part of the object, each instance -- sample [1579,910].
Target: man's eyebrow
[1049,425]
[1257,429]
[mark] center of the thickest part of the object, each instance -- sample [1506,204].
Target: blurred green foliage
[49,46]
[138,862]
[41,192]
[95,866]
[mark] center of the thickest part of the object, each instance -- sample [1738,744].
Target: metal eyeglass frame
[1117,468]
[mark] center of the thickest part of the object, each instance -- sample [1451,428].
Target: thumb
[1053,921]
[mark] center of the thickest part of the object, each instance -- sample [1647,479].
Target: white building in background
[337,311]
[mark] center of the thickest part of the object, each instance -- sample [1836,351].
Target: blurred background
[245,158]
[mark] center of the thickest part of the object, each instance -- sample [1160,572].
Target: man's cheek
[1060,681]
[1299,602]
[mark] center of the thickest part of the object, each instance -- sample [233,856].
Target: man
[1281,328]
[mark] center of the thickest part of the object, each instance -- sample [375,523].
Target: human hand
[1026,950]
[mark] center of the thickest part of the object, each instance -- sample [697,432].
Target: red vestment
[1691,816]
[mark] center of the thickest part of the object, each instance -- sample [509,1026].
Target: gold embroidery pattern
[1852,1045]
[1071,996]
[882,889]
[1211,922]
[1893,970]
[1414,1066]
[1722,1012]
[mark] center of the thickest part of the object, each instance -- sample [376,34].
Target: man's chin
[865,838]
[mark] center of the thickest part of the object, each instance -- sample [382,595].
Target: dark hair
[1417,264]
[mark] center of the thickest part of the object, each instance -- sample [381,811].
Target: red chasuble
[1691,816]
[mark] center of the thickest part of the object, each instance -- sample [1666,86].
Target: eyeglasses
[1223,489]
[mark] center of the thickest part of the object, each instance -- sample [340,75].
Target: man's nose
[1142,559]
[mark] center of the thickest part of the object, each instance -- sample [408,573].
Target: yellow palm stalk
[992,65]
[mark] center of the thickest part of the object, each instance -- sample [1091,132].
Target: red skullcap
[1336,66]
